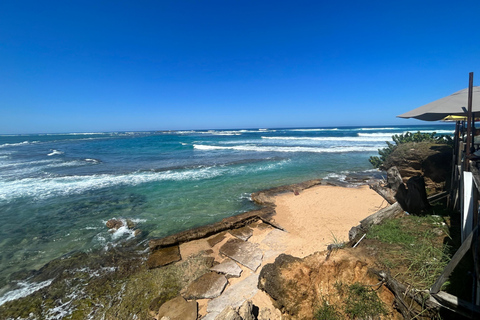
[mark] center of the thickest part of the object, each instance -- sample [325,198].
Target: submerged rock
[114,224]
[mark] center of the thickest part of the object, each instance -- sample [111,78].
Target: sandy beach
[312,219]
[323,215]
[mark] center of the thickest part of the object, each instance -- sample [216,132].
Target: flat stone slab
[275,243]
[245,253]
[164,256]
[234,295]
[228,268]
[243,233]
[216,239]
[178,309]
[208,286]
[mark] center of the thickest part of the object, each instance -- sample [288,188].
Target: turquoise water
[57,191]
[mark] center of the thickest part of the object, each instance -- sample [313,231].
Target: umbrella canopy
[454,104]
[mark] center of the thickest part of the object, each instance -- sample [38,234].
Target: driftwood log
[387,193]
[386,213]
[412,303]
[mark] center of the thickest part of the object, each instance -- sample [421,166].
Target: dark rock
[272,282]
[178,309]
[163,257]
[130,224]
[208,286]
[114,224]
[414,199]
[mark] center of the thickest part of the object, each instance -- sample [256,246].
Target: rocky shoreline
[85,284]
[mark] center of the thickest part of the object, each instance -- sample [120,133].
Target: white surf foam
[26,289]
[6,145]
[55,152]
[377,134]
[25,168]
[40,188]
[319,129]
[378,129]
[287,149]
[92,160]
[353,139]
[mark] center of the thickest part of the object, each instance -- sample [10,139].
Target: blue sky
[83,66]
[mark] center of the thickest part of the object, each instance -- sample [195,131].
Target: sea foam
[6,145]
[359,138]
[40,188]
[26,288]
[55,152]
[288,149]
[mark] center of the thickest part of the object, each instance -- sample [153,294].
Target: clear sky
[83,66]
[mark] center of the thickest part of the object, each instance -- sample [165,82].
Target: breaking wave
[288,149]
[39,188]
[359,138]
[6,145]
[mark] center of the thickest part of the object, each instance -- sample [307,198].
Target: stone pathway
[245,253]
[233,279]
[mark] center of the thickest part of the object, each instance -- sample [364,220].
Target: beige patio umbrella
[452,105]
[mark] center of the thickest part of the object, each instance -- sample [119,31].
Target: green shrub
[406,138]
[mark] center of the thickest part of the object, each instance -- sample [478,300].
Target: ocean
[57,191]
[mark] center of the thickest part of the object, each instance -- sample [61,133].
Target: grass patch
[416,250]
[363,302]
[358,301]
[327,311]
[392,231]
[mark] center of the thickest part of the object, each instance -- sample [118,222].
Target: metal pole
[469,122]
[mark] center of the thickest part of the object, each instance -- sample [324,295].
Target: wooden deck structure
[464,198]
